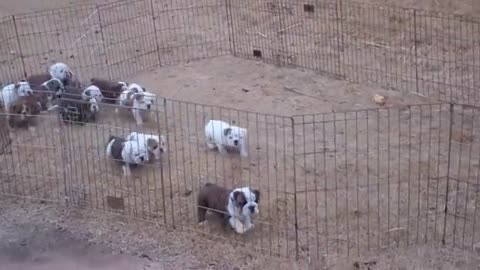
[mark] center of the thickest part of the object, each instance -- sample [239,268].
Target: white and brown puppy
[139,102]
[74,109]
[128,153]
[155,143]
[235,206]
[110,90]
[48,92]
[92,91]
[222,135]
[10,93]
[23,110]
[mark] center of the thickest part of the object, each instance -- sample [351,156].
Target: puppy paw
[203,224]
[211,146]
[222,149]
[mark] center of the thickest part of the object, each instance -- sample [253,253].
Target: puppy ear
[257,195]
[151,143]
[227,131]
[138,97]
[239,198]
[144,90]
[88,92]
[39,107]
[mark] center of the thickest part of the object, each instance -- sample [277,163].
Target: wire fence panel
[333,183]
[70,35]
[128,35]
[191,30]
[256,30]
[371,179]
[11,66]
[268,168]
[34,167]
[462,192]
[448,55]
[311,36]
[378,45]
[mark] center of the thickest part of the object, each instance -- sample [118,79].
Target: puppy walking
[127,153]
[221,135]
[235,206]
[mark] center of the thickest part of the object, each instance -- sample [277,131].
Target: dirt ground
[39,234]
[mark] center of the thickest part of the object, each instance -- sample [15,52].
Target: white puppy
[155,143]
[221,135]
[136,88]
[60,71]
[128,153]
[137,102]
[92,92]
[12,92]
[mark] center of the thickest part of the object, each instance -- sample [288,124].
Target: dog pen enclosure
[332,183]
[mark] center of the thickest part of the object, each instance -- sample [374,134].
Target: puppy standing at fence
[59,71]
[12,92]
[48,92]
[235,206]
[222,135]
[74,107]
[110,90]
[155,143]
[128,153]
[138,100]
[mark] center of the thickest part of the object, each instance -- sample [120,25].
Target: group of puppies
[59,89]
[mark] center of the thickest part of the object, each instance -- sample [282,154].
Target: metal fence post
[340,38]
[100,24]
[415,46]
[17,36]
[231,33]
[449,158]
[295,204]
[155,33]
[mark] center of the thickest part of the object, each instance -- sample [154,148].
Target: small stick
[289,27]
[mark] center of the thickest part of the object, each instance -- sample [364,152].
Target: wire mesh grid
[334,183]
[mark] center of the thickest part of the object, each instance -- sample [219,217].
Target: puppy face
[149,100]
[94,108]
[134,152]
[92,92]
[140,101]
[60,71]
[153,145]
[56,87]
[26,107]
[23,89]
[122,86]
[233,136]
[246,201]
[135,88]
